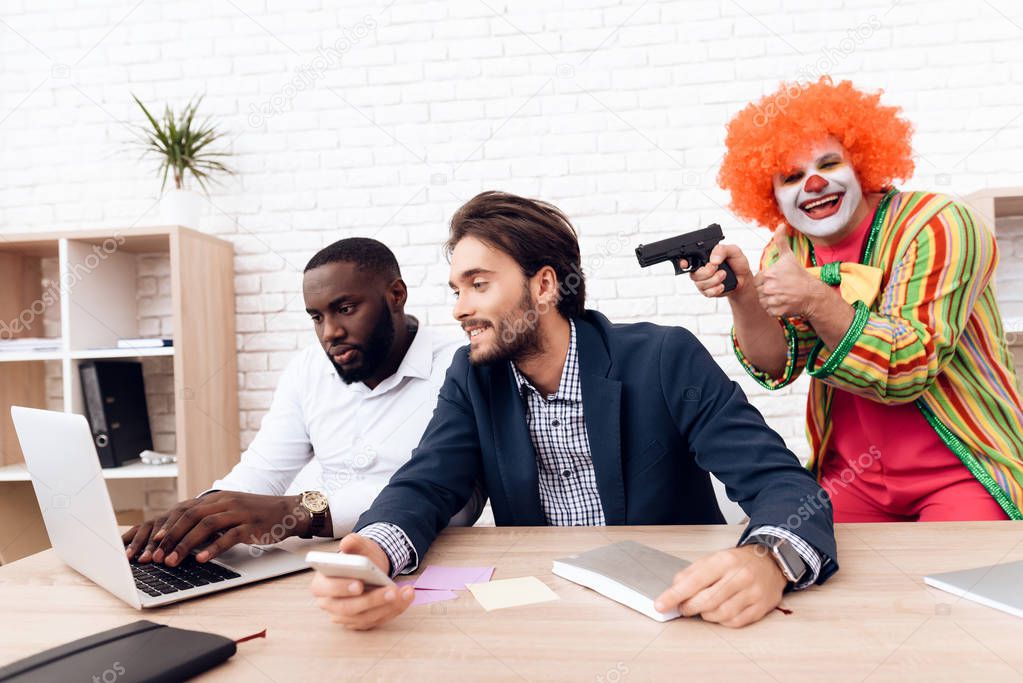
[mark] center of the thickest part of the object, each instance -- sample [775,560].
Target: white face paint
[819,195]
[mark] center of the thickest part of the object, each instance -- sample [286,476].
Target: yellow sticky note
[525,590]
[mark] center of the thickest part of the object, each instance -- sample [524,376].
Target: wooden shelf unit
[1002,209]
[996,203]
[98,303]
[132,470]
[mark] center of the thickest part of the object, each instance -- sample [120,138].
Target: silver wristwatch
[787,558]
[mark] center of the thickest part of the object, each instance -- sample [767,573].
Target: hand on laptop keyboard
[220,519]
[155,579]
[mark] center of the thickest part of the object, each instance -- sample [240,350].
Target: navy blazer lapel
[602,411]
[516,457]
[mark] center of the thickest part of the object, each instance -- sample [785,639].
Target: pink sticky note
[426,596]
[452,578]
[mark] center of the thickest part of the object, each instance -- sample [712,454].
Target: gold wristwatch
[315,503]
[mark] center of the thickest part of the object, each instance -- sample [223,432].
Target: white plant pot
[181,207]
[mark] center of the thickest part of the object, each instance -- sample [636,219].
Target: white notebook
[997,586]
[30,344]
[627,572]
[144,343]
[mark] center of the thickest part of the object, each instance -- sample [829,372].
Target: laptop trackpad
[253,561]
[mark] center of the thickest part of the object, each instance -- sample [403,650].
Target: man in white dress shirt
[356,407]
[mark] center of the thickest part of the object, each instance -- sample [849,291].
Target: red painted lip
[823,211]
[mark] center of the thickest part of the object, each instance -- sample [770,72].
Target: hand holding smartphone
[346,566]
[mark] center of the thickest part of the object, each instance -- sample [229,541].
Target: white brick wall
[364,119]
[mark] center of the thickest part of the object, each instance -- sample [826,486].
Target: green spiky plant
[182,145]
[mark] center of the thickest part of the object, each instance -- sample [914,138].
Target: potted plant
[182,145]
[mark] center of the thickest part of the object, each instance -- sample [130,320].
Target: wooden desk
[875,620]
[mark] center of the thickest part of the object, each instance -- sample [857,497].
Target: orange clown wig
[768,137]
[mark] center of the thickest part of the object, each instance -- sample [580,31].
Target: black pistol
[694,247]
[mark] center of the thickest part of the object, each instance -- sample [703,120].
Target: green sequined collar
[875,229]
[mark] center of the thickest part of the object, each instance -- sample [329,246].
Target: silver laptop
[997,586]
[79,517]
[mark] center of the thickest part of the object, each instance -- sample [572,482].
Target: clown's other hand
[786,288]
[710,279]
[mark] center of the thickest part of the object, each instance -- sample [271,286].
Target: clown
[884,298]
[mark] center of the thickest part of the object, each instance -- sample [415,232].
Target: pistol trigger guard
[679,270]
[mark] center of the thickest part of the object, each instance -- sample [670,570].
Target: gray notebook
[997,586]
[627,572]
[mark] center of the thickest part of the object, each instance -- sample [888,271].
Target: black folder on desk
[142,652]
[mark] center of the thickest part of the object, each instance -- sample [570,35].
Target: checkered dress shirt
[568,483]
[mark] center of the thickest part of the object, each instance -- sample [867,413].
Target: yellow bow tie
[856,282]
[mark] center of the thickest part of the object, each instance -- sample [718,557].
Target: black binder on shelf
[115,405]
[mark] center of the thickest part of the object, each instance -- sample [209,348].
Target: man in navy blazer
[568,419]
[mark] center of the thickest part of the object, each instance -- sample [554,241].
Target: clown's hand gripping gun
[694,247]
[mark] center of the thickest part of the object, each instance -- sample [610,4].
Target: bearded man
[885,298]
[569,420]
[352,406]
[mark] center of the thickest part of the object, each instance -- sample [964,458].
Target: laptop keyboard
[158,579]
